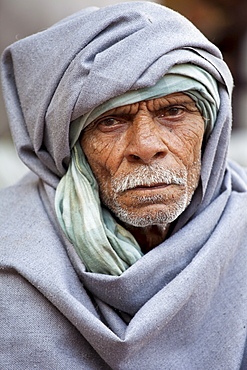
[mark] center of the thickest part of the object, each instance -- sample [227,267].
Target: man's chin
[142,210]
[148,216]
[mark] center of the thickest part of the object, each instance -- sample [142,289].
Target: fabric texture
[112,250]
[180,306]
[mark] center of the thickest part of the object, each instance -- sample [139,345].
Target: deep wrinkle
[155,106]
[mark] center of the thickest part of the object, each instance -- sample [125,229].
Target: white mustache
[148,176]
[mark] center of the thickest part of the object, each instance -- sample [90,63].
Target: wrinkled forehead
[151,105]
[184,78]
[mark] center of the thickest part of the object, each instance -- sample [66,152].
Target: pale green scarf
[103,245]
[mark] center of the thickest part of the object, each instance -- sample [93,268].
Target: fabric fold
[180,306]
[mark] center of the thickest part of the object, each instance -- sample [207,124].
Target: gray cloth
[183,304]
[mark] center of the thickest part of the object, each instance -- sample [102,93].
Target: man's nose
[145,143]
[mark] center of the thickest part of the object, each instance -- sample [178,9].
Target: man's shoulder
[23,218]
[238,175]
[17,200]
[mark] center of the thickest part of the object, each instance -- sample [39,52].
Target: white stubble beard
[148,175]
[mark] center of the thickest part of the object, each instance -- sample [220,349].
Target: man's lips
[150,187]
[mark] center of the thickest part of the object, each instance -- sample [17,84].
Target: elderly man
[126,245]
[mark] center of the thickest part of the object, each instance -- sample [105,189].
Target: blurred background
[222,21]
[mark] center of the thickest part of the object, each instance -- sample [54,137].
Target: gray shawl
[183,304]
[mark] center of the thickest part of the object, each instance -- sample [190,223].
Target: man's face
[146,158]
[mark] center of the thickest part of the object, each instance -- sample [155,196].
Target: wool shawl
[183,304]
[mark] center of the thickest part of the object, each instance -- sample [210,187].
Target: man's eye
[108,122]
[172,111]
[175,111]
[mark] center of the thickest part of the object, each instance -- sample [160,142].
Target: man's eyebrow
[126,110]
[190,105]
[123,110]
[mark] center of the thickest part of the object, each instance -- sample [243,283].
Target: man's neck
[150,236]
